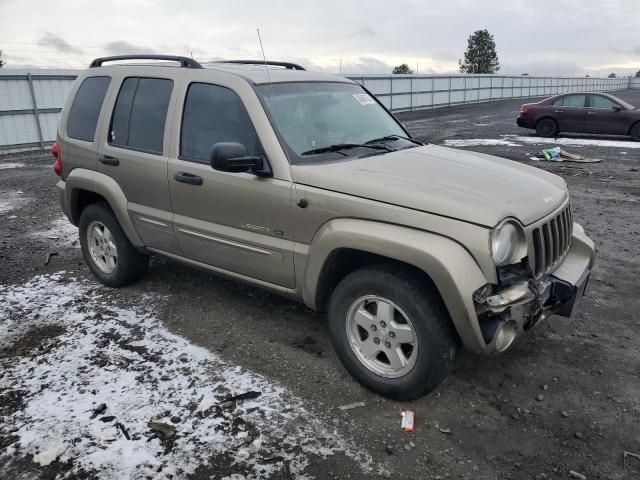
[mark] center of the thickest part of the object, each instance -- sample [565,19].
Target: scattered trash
[540,397]
[564,414]
[626,455]
[98,410]
[48,257]
[107,419]
[167,431]
[408,420]
[123,430]
[577,475]
[558,155]
[351,406]
[244,396]
[446,431]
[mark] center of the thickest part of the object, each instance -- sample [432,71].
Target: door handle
[558,111]
[109,160]
[184,177]
[591,113]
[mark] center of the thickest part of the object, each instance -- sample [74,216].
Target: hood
[465,185]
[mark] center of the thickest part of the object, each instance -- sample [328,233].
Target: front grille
[551,241]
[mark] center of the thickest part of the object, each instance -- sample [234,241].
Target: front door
[132,152]
[603,119]
[570,113]
[236,222]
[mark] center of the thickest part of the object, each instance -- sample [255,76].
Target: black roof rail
[185,62]
[287,65]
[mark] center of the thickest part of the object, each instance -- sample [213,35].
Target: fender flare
[450,266]
[105,186]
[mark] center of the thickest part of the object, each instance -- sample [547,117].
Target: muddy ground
[565,398]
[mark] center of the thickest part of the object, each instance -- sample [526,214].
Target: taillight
[57,165]
[524,109]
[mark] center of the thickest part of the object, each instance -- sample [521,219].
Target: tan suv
[304,184]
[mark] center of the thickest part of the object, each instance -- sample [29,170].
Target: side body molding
[82,179]
[452,269]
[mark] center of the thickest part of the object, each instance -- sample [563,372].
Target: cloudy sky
[568,37]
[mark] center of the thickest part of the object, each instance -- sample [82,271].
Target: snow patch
[61,232]
[4,166]
[475,142]
[12,200]
[127,360]
[576,142]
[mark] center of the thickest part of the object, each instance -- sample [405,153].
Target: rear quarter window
[85,109]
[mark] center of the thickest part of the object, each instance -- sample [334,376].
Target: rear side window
[214,114]
[85,109]
[571,101]
[601,102]
[140,114]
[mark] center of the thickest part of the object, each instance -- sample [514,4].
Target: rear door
[236,222]
[132,150]
[570,112]
[602,118]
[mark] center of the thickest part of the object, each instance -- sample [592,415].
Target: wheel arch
[84,187]
[633,125]
[343,245]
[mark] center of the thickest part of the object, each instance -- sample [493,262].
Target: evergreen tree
[481,55]
[402,69]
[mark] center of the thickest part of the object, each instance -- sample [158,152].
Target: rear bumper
[61,189]
[507,314]
[524,122]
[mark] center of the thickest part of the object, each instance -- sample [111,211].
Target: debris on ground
[408,420]
[577,475]
[48,257]
[626,455]
[244,396]
[167,431]
[98,410]
[351,406]
[558,155]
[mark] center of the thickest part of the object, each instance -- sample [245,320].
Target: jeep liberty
[305,184]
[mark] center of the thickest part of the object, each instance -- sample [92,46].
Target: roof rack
[287,65]
[185,62]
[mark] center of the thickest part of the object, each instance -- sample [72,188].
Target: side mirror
[617,108]
[232,157]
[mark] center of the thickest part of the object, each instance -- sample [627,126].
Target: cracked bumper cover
[522,306]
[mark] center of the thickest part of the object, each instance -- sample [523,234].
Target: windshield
[312,117]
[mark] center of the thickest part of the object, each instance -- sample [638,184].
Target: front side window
[214,114]
[598,101]
[85,110]
[140,114]
[315,115]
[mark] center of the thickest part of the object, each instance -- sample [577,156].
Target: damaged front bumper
[506,314]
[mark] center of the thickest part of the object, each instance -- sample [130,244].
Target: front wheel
[547,127]
[635,132]
[392,332]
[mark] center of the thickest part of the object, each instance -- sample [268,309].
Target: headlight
[507,243]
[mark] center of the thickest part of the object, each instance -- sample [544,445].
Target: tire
[431,358]
[98,250]
[635,132]
[547,127]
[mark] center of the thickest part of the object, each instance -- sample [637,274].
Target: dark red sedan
[581,113]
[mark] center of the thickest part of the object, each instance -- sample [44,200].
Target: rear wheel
[392,332]
[111,257]
[635,132]
[546,127]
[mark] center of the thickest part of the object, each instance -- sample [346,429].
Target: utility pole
[340,66]
[417,67]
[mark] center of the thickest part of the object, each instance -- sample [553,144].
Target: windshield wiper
[394,137]
[344,146]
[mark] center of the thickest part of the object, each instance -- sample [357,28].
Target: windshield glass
[315,115]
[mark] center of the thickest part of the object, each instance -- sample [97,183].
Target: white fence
[30,105]
[418,92]
[30,102]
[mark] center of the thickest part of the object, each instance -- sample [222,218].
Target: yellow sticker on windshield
[364,98]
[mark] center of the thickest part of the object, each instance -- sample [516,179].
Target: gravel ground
[565,398]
